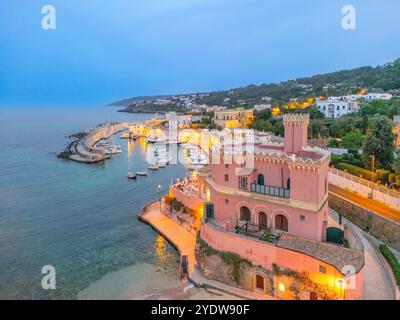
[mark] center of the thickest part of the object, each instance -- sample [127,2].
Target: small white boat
[152,140]
[153,167]
[113,149]
[141,173]
[131,175]
[161,164]
[174,142]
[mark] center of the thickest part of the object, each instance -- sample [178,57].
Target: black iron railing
[270,191]
[256,231]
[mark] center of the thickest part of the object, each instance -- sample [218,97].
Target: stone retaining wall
[385,230]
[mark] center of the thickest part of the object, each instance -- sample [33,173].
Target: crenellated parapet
[298,119]
[293,162]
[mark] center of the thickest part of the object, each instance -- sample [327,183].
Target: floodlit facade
[178,121]
[233,118]
[281,190]
[335,108]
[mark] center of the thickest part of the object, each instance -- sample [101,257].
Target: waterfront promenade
[183,240]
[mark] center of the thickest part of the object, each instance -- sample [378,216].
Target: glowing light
[340,283]
[276,111]
[208,195]
[160,248]
[281,287]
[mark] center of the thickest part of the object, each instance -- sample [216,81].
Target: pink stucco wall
[305,185]
[226,208]
[190,201]
[295,137]
[265,255]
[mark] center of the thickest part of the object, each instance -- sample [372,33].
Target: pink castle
[275,214]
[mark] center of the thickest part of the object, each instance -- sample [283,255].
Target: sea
[80,219]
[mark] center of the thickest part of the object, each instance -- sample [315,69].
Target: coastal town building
[260,107]
[233,118]
[270,213]
[335,108]
[377,96]
[178,121]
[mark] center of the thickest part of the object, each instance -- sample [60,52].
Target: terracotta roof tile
[334,255]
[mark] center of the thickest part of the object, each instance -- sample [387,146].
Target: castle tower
[296,126]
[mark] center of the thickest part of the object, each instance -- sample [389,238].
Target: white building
[162,102]
[260,107]
[377,96]
[366,97]
[178,121]
[335,108]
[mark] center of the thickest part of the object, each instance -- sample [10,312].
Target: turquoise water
[80,218]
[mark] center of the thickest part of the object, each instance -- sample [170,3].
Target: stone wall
[212,266]
[363,187]
[385,230]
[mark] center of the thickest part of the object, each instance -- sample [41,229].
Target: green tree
[379,142]
[264,114]
[365,124]
[317,129]
[342,125]
[352,140]
[315,113]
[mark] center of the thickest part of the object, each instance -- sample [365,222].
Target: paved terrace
[183,240]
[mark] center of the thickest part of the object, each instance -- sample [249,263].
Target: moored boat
[131,175]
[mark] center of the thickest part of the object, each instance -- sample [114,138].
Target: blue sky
[103,51]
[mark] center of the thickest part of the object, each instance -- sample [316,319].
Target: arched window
[313,296]
[281,223]
[259,282]
[262,220]
[244,214]
[260,179]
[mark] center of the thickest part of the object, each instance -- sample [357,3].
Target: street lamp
[159,188]
[372,175]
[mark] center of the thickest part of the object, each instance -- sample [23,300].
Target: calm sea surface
[81,219]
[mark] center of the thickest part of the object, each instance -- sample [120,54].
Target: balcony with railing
[258,232]
[270,191]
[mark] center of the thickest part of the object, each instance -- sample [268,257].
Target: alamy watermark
[49,280]
[49,19]
[349,21]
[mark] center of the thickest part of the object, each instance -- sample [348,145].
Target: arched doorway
[244,214]
[313,296]
[259,282]
[262,220]
[281,223]
[260,179]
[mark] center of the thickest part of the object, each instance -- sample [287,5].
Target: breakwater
[84,148]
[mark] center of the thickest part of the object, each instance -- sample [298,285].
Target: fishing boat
[174,142]
[131,175]
[153,167]
[151,140]
[162,164]
[141,173]
[113,149]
